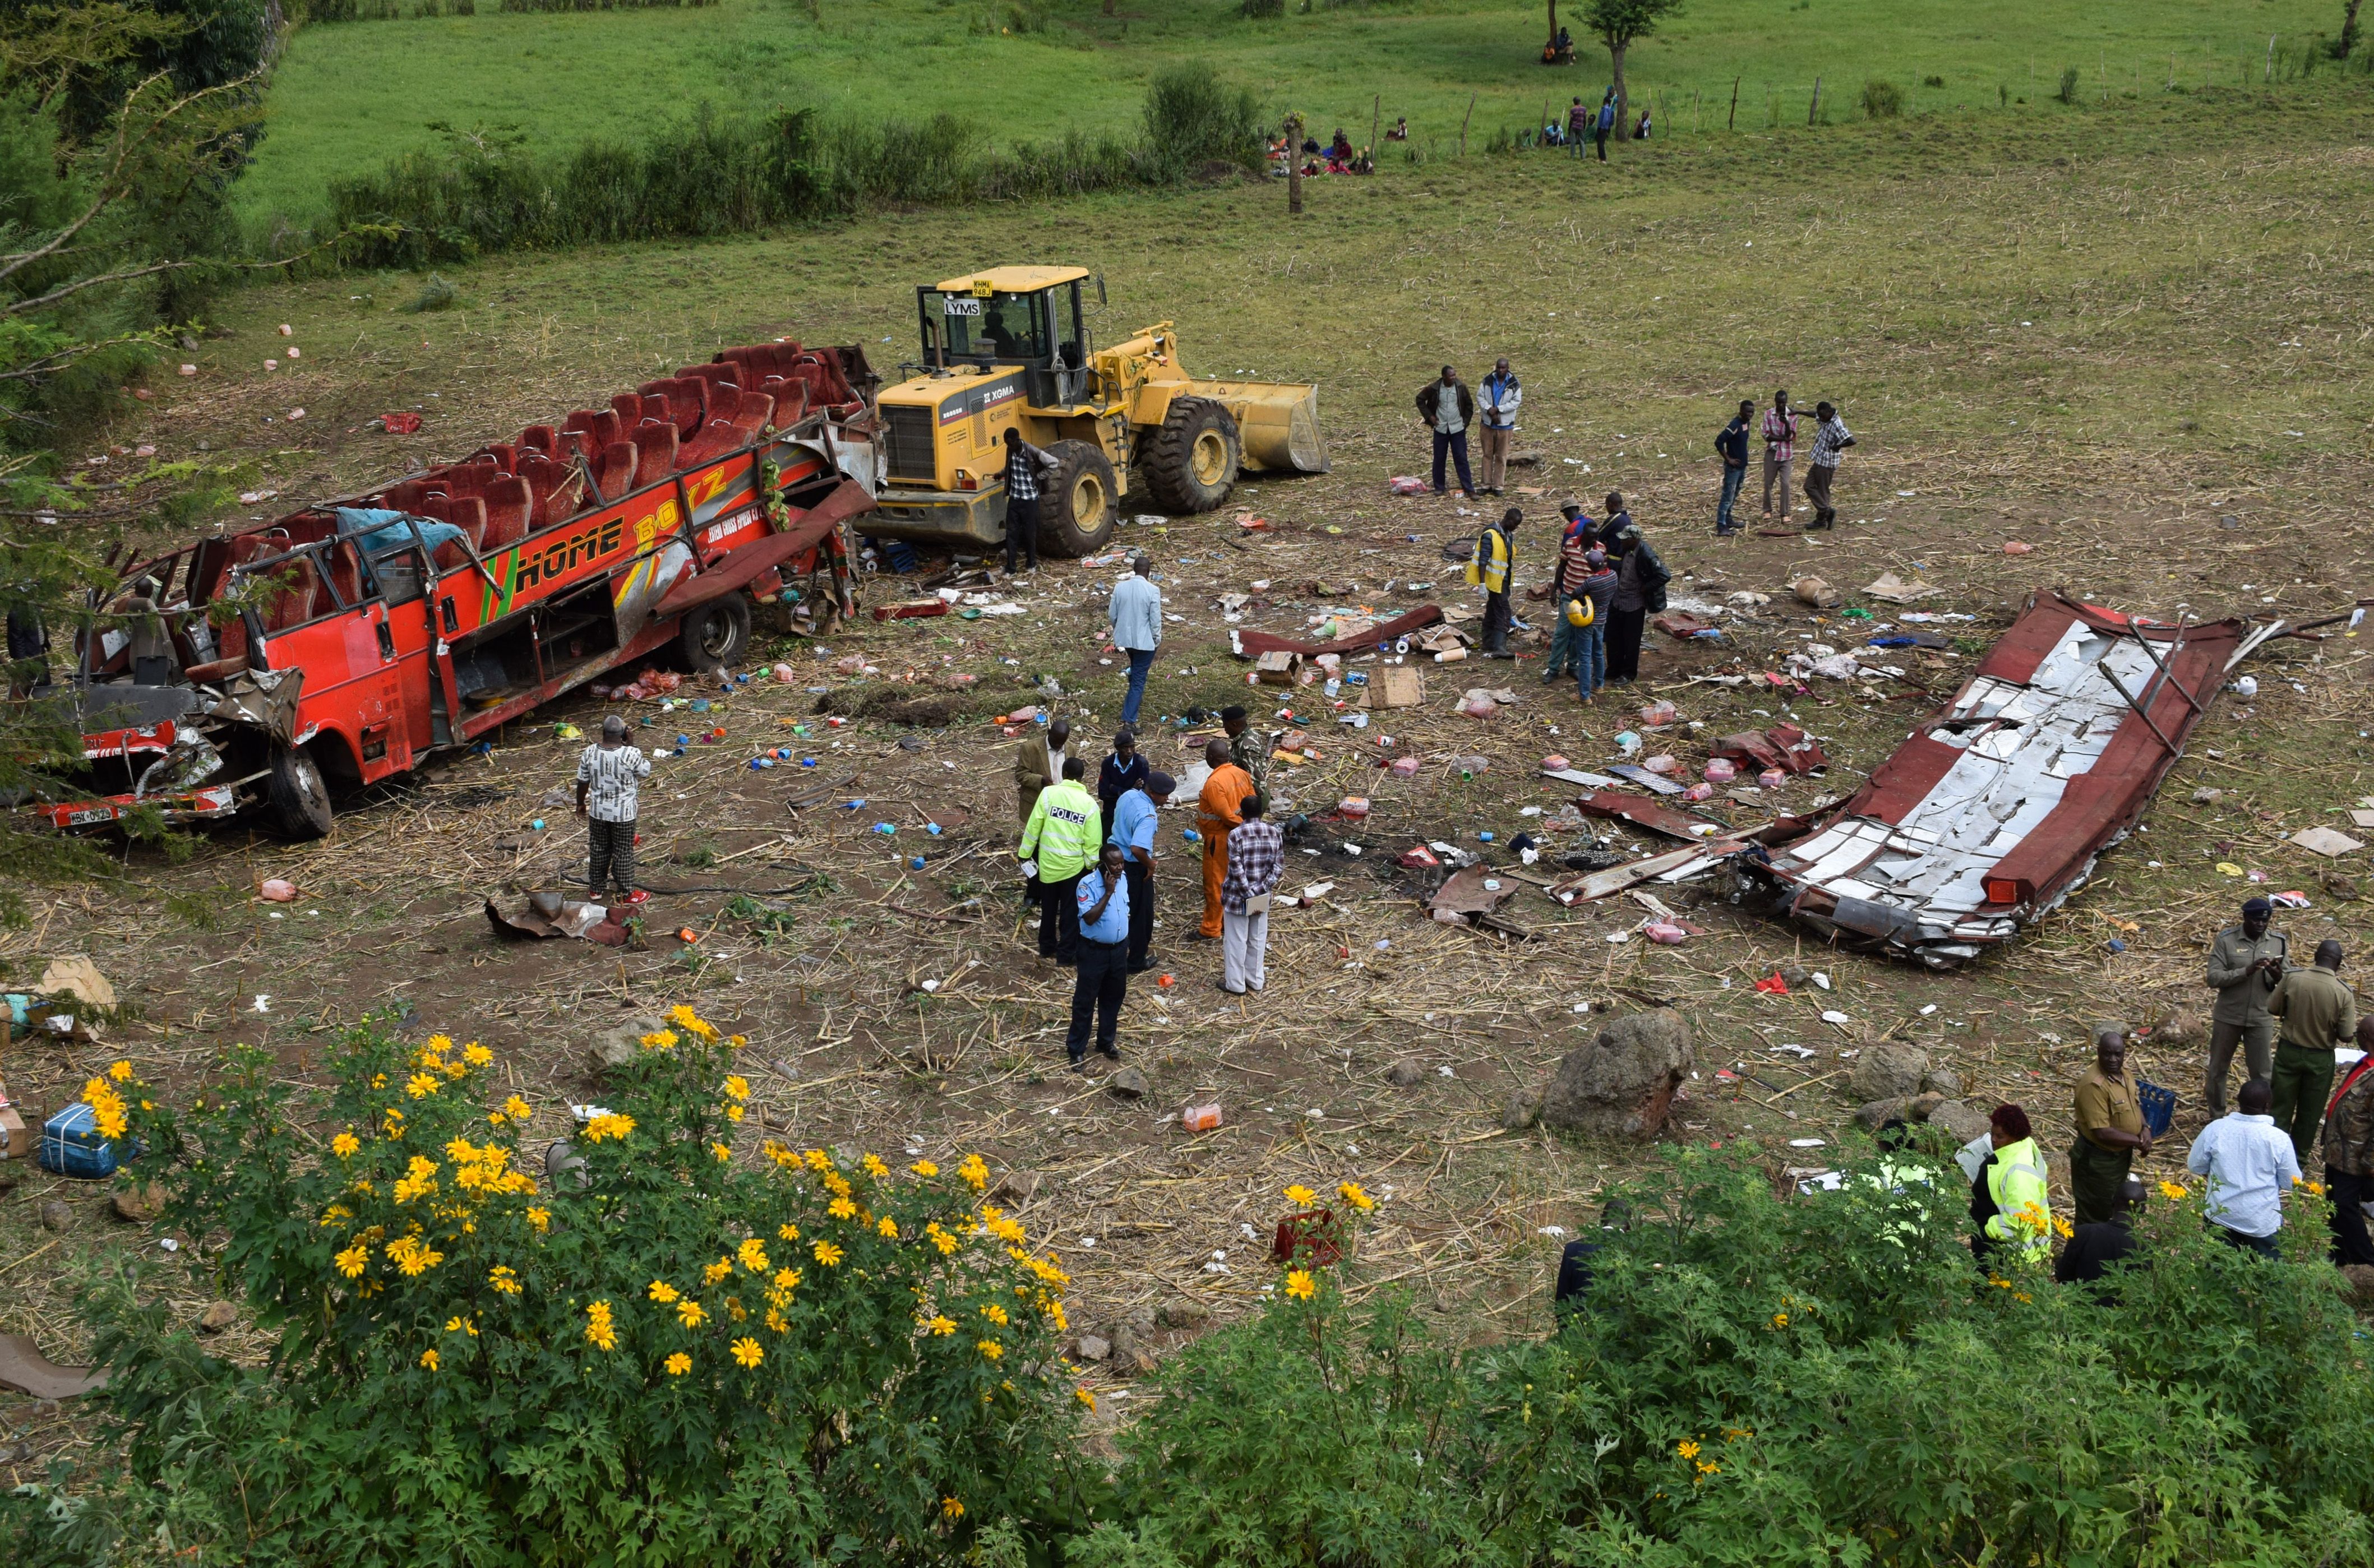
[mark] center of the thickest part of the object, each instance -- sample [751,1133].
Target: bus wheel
[716,634]
[299,798]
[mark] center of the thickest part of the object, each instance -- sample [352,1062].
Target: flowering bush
[669,1356]
[1747,1380]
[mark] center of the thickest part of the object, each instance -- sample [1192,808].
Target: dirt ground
[849,1046]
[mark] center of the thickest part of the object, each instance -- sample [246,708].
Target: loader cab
[1029,318]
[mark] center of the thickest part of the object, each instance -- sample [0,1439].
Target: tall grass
[716,175]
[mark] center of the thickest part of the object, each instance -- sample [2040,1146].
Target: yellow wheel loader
[1009,348]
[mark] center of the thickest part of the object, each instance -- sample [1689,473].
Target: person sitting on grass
[2093,1248]
[1400,132]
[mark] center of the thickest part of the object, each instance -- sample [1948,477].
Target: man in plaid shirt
[1256,856]
[1024,464]
[1830,438]
[608,778]
[1780,447]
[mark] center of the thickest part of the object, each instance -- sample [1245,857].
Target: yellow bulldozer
[1010,349]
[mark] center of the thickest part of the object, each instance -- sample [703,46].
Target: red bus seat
[616,471]
[686,398]
[540,438]
[655,448]
[508,503]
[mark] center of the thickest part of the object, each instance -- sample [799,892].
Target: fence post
[1732,123]
[1814,107]
[1463,125]
[2271,59]
[1376,119]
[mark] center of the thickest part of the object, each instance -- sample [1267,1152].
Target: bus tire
[716,634]
[298,795]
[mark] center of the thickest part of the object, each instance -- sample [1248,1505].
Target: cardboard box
[1277,668]
[1396,685]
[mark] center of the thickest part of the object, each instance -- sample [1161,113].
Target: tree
[1619,24]
[2348,39]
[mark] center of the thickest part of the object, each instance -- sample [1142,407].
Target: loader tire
[1191,462]
[1080,502]
[716,634]
[298,795]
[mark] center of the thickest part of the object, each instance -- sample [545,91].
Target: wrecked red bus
[279,666]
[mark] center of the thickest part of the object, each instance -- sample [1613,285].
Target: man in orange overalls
[1216,811]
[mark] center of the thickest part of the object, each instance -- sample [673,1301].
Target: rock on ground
[616,1047]
[1522,1110]
[1961,1120]
[1888,1070]
[1943,1080]
[218,1318]
[1622,1084]
[140,1204]
[1405,1074]
[1129,1084]
[55,1215]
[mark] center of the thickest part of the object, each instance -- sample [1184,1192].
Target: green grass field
[348,96]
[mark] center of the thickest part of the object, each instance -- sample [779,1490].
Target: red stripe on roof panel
[1903,781]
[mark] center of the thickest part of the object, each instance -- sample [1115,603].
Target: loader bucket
[1279,422]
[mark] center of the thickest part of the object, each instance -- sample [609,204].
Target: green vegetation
[346,98]
[673,1357]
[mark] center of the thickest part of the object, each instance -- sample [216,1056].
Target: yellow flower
[1356,1197]
[942,1325]
[609,1124]
[476,1054]
[787,1279]
[599,1331]
[995,1313]
[2172,1192]
[1300,1196]
[453,1325]
[121,1072]
[788,1231]
[1780,1320]
[951,1508]
[517,1108]
[678,1364]
[991,1348]
[753,1254]
[715,1271]
[351,1261]
[1300,1285]
[1686,1449]
[924,1168]
[691,1314]
[941,1239]
[2062,1227]
[733,1112]
[724,1155]
[746,1351]
[841,1209]
[875,1167]
[344,1144]
[1085,1398]
[412,1255]
[887,1226]
[540,1217]
[2313,1189]
[428,1359]
[420,1085]
[828,1254]
[660,1040]
[504,1279]
[662,1292]
[975,1173]
[438,1045]
[817,1160]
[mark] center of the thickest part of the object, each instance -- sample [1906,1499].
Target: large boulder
[1888,1070]
[616,1048]
[1961,1120]
[1622,1084]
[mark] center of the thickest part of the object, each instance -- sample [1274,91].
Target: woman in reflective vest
[2009,1201]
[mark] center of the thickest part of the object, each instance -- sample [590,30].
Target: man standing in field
[1574,545]
[1256,858]
[2349,1155]
[1780,449]
[1038,763]
[1501,395]
[1448,408]
[1731,445]
[1578,127]
[2319,1015]
[1135,614]
[1249,748]
[1025,464]
[1133,826]
[1101,911]
[1495,571]
[2246,963]
[2110,1130]
[1059,842]
[1605,123]
[609,777]
[1217,811]
[1831,436]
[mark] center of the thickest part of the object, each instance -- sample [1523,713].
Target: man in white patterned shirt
[1779,432]
[608,776]
[1830,438]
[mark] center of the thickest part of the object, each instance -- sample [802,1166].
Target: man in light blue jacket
[1135,614]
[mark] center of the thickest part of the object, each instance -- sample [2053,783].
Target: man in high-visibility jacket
[1061,838]
[2009,1202]
[1493,570]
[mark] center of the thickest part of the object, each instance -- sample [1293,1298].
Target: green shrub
[1882,101]
[1751,1381]
[1192,118]
[2067,91]
[670,1357]
[1264,9]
